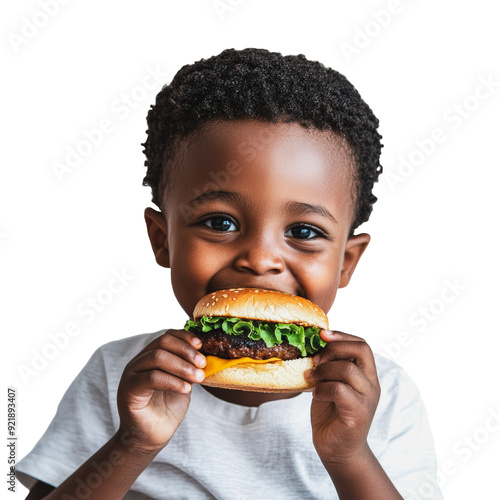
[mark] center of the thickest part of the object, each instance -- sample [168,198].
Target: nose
[259,257]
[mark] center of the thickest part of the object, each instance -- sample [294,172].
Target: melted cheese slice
[215,364]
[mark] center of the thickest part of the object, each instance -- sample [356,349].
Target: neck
[245,398]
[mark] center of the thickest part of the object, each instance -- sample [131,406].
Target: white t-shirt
[226,451]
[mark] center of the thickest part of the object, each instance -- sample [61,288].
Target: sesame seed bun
[262,305]
[269,306]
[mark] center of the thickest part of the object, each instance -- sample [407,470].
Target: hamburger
[257,340]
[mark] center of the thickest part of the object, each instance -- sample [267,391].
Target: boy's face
[257,204]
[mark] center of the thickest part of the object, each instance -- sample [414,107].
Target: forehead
[250,137]
[248,154]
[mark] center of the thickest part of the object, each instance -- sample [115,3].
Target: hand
[154,390]
[345,398]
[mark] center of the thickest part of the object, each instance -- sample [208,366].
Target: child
[263,167]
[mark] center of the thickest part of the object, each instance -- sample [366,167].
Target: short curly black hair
[263,85]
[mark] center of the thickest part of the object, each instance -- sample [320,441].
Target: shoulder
[394,380]
[400,405]
[400,412]
[110,359]
[400,435]
[386,366]
[127,347]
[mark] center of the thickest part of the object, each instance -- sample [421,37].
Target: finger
[146,383]
[331,335]
[181,343]
[342,371]
[339,393]
[189,337]
[168,362]
[357,351]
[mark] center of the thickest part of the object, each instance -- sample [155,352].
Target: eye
[220,223]
[303,232]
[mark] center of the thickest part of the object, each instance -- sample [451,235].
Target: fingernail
[200,360]
[316,359]
[307,373]
[200,375]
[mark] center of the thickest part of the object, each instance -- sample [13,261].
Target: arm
[153,398]
[345,398]
[108,474]
[363,478]
[39,490]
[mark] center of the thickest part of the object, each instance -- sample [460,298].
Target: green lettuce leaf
[306,339]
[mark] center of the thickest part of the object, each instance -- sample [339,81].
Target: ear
[354,249]
[157,231]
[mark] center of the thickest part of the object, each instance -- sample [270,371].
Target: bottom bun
[279,376]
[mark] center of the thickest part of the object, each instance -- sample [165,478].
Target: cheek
[192,267]
[320,280]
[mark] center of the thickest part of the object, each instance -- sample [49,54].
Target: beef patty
[218,343]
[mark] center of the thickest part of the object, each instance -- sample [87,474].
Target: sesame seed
[213,304]
[224,295]
[234,298]
[300,304]
[216,299]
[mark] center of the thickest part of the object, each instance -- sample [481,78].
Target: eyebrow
[292,207]
[298,208]
[227,196]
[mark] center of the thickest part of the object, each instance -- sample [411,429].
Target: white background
[435,223]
